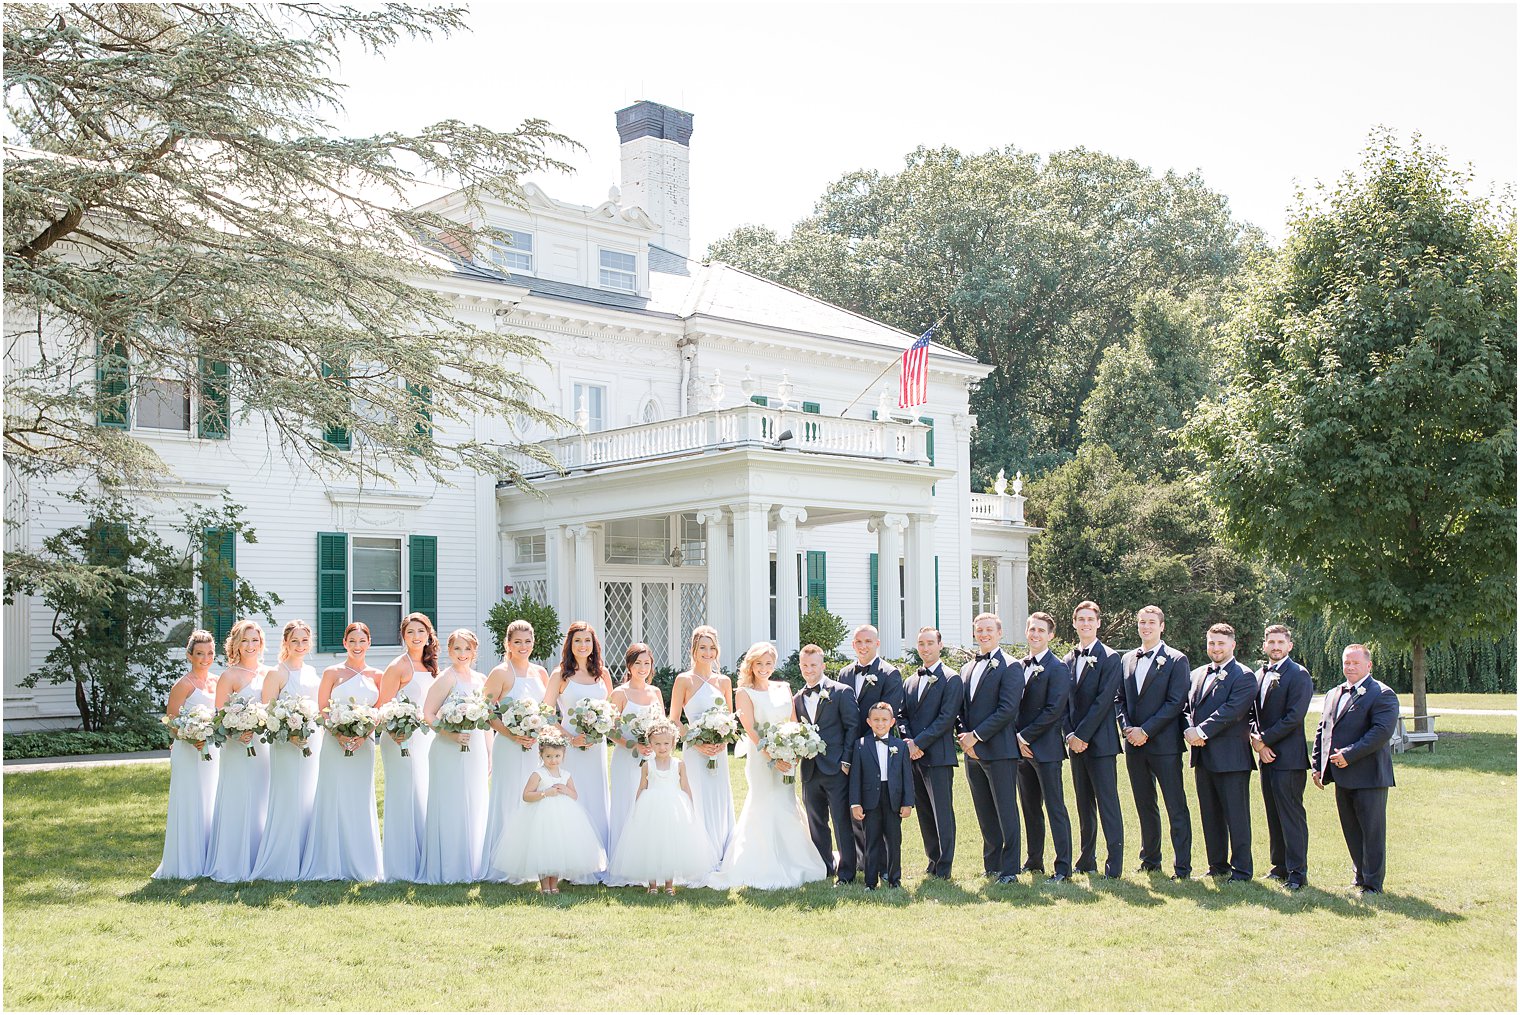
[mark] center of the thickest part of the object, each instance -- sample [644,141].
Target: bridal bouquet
[790,742]
[715,726]
[351,719]
[634,727]
[592,718]
[399,717]
[194,723]
[462,713]
[524,717]
[292,717]
[240,715]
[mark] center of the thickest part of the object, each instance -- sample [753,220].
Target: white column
[788,618]
[889,536]
[1020,594]
[720,585]
[490,574]
[752,585]
[1013,623]
[559,566]
[585,605]
[919,561]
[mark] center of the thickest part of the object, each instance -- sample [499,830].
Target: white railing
[754,426]
[992,507]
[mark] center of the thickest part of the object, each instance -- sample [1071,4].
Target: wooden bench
[1407,736]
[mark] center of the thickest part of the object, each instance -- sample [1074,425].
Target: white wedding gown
[770,847]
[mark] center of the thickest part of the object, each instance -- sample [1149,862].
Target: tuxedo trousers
[1147,772]
[883,827]
[1364,822]
[1224,810]
[826,798]
[934,789]
[995,796]
[1095,780]
[1040,785]
[1282,792]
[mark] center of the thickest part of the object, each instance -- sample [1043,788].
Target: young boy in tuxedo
[881,795]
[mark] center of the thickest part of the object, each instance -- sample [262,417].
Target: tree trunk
[82,703]
[1417,683]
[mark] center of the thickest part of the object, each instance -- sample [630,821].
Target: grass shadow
[1491,753]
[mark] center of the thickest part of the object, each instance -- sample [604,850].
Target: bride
[770,847]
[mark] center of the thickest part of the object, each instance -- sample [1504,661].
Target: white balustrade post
[752,560]
[720,584]
[889,533]
[788,616]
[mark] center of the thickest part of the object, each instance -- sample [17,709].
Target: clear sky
[1256,98]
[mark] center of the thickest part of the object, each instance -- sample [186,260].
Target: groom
[831,707]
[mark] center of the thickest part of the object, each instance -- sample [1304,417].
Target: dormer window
[620,271]
[512,250]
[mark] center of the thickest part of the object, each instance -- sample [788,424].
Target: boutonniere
[929,680]
[870,680]
[892,751]
[1033,670]
[824,695]
[1361,690]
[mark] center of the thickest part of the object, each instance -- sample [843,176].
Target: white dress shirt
[1143,666]
[881,757]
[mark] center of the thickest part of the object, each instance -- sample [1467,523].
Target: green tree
[1366,438]
[178,205]
[1034,265]
[543,617]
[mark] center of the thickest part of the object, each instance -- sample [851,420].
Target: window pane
[618,261]
[625,281]
[384,620]
[530,549]
[377,565]
[514,251]
[163,405]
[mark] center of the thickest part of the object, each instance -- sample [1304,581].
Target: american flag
[913,382]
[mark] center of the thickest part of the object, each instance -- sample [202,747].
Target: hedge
[61,743]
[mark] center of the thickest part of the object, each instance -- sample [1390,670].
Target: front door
[659,612]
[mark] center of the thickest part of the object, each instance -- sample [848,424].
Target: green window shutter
[936,590]
[108,548]
[759,399]
[218,581]
[817,580]
[812,407]
[216,400]
[810,428]
[113,384]
[332,590]
[421,398]
[423,595]
[337,436]
[928,437]
[873,590]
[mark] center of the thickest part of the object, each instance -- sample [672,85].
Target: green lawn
[86,928]
[1437,702]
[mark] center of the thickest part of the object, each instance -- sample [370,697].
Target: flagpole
[887,369]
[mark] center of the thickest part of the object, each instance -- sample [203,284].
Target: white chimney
[657,169]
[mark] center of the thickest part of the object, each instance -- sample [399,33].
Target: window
[902,596]
[593,398]
[619,271]
[512,251]
[377,586]
[983,585]
[693,541]
[651,411]
[163,404]
[530,549]
[637,540]
[802,605]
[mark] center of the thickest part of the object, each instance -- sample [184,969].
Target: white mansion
[715,475]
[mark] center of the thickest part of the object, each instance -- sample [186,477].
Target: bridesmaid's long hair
[567,664]
[746,665]
[430,650]
[630,657]
[697,635]
[234,644]
[291,628]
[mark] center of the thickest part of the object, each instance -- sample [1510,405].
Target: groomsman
[829,705]
[1353,749]
[1283,691]
[994,687]
[872,679]
[1151,699]
[933,701]
[1219,733]
[1093,739]
[1042,748]
[881,795]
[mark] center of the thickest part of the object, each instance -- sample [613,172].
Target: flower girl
[553,838]
[662,840]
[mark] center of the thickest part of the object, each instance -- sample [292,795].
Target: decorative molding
[182,490]
[711,516]
[790,515]
[354,508]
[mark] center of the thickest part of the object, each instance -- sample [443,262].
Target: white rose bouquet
[195,724]
[461,713]
[292,717]
[401,717]
[715,726]
[240,715]
[592,718]
[351,719]
[635,726]
[525,717]
[790,742]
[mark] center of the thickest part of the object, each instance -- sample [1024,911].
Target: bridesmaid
[242,788]
[410,675]
[513,758]
[693,693]
[635,694]
[192,779]
[578,676]
[292,775]
[343,843]
[454,838]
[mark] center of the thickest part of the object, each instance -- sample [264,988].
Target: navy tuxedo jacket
[865,774]
[1222,710]
[1042,709]
[1365,731]
[1156,708]
[838,721]
[930,721]
[1090,710]
[991,713]
[1280,716]
[887,687]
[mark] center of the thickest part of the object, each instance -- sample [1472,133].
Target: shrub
[61,743]
[824,629]
[545,621]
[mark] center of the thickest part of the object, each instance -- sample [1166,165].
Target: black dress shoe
[1030,869]
[1148,868]
[1293,884]
[841,882]
[1182,877]
[1084,870]
[1008,879]
[894,884]
[1240,877]
[1218,872]
[1274,875]
[1369,890]
[1056,879]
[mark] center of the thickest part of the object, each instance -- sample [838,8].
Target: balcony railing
[741,426]
[992,507]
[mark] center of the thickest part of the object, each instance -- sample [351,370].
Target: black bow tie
[1084,652]
[1214,669]
[1028,660]
[983,656]
[1272,668]
[812,690]
[924,671]
[1146,655]
[881,740]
